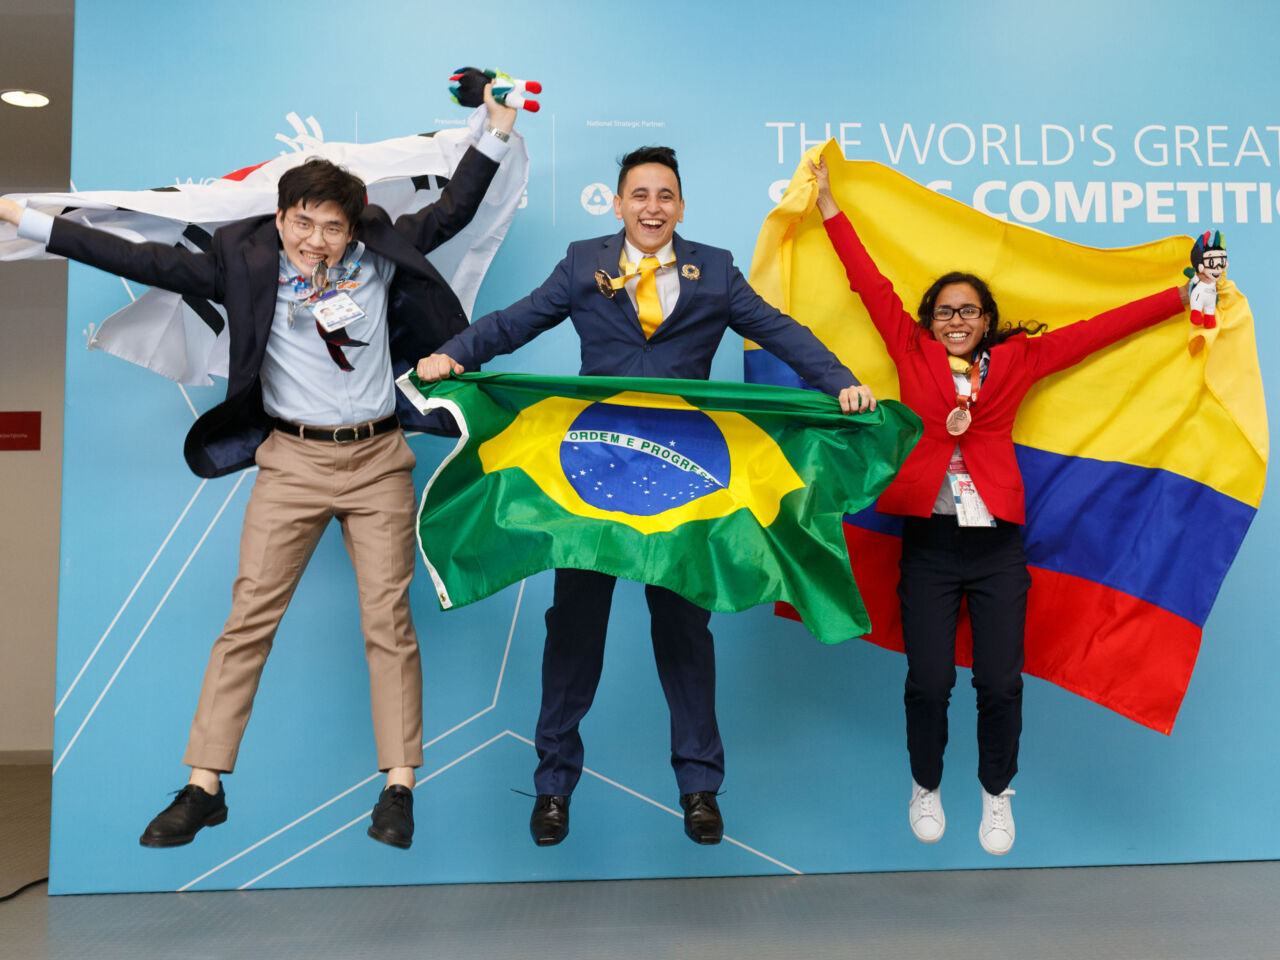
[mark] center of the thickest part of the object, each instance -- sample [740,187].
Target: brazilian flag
[729,494]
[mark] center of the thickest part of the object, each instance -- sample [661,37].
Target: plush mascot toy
[467,88]
[1208,263]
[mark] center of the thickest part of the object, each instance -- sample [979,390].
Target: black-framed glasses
[967,311]
[1216,263]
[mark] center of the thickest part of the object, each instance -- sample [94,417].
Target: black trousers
[571,663]
[941,563]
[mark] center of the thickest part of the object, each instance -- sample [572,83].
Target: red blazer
[928,388]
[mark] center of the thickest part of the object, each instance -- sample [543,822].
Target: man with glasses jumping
[321,300]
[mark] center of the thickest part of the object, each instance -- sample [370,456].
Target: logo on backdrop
[597,199]
[301,139]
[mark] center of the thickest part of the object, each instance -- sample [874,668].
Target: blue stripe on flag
[1113,523]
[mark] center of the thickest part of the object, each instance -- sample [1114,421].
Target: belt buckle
[355,434]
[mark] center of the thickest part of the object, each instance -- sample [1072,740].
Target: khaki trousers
[302,484]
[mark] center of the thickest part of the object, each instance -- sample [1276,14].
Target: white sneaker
[927,819]
[995,832]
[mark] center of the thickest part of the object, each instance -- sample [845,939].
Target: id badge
[336,311]
[970,510]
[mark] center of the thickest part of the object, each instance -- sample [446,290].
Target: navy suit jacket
[713,296]
[241,269]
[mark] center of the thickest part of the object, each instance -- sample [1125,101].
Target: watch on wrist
[500,134]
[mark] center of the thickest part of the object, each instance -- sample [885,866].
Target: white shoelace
[1000,809]
[928,803]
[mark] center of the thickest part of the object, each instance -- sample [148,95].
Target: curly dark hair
[995,334]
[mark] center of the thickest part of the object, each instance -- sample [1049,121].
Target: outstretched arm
[897,328]
[161,265]
[794,344]
[504,330]
[1067,346]
[438,222]
[10,211]
[827,205]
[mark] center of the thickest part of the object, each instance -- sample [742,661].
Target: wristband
[500,134]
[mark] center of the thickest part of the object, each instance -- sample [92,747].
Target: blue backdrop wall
[986,100]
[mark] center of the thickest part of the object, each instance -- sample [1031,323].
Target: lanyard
[975,382]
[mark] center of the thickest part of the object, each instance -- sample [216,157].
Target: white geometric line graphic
[364,816]
[183,391]
[497,690]
[272,836]
[437,772]
[154,613]
[674,813]
[470,753]
[164,543]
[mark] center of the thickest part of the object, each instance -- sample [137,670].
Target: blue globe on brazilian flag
[729,494]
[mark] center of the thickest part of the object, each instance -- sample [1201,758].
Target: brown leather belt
[360,431]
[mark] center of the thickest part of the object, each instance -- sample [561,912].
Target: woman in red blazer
[961,495]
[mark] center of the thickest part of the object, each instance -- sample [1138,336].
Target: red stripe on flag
[244,171]
[1128,655]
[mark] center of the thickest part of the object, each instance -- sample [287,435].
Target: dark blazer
[713,296]
[241,269]
[927,387]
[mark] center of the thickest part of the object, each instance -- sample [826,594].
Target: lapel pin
[690,272]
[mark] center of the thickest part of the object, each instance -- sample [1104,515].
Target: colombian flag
[707,489]
[1143,465]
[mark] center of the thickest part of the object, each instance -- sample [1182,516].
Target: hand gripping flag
[730,495]
[184,338]
[1143,465]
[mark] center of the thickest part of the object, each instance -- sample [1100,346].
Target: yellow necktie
[647,304]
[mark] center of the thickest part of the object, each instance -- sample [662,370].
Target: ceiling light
[24,98]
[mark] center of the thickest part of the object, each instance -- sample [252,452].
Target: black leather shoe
[702,822]
[393,817]
[549,823]
[180,821]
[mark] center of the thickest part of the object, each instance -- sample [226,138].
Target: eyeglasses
[303,228]
[967,311]
[1215,263]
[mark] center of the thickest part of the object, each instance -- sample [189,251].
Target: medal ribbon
[320,286]
[975,381]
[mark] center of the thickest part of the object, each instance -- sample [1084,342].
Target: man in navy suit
[645,303]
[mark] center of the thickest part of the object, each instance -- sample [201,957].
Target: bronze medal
[958,420]
[320,277]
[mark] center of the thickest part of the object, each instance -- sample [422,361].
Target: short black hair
[319,181]
[995,334]
[663,155]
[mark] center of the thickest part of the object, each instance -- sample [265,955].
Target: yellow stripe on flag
[1164,398]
